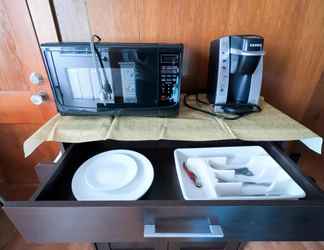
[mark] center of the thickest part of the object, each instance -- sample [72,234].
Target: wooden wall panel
[73,13]
[19,118]
[186,22]
[16,108]
[15,168]
[10,64]
[115,20]
[3,185]
[17,44]
[314,115]
[19,57]
[43,20]
[293,32]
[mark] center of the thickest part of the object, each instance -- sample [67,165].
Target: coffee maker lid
[247,42]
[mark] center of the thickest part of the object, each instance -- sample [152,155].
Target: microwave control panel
[169,78]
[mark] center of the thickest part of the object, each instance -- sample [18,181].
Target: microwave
[115,78]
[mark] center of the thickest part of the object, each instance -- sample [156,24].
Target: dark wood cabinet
[171,245]
[230,245]
[53,214]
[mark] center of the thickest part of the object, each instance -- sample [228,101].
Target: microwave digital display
[169,58]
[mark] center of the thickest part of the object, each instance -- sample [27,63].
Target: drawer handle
[215,231]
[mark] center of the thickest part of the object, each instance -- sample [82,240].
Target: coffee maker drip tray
[240,109]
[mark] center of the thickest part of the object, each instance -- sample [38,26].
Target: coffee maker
[235,73]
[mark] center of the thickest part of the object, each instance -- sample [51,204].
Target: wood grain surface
[43,20]
[19,118]
[292,81]
[15,168]
[294,37]
[293,73]
[19,57]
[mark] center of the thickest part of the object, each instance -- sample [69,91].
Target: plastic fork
[243,171]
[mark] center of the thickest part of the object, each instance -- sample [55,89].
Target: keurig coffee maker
[235,73]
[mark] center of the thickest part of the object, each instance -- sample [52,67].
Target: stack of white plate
[113,175]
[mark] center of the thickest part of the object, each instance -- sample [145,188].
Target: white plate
[133,191]
[264,167]
[109,171]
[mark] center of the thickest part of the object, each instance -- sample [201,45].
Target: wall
[19,118]
[293,32]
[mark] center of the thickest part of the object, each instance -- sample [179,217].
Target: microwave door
[78,79]
[131,73]
[135,76]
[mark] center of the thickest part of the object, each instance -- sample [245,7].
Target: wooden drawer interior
[53,214]
[165,185]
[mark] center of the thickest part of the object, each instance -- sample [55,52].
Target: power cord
[106,86]
[106,89]
[2,201]
[228,116]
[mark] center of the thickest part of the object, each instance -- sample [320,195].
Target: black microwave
[115,78]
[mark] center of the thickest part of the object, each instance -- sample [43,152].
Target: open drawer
[53,214]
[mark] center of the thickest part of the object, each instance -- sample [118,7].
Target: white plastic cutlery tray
[215,169]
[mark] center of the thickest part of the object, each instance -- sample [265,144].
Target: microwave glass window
[128,82]
[134,75]
[129,77]
[85,83]
[91,83]
[114,78]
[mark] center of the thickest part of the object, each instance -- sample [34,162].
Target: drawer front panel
[87,224]
[126,224]
[253,223]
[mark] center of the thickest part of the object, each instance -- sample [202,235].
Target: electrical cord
[2,201]
[201,101]
[106,85]
[219,115]
[229,116]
